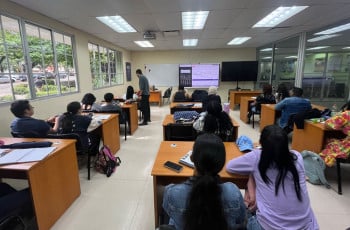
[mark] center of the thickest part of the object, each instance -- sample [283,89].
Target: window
[49,68]
[106,66]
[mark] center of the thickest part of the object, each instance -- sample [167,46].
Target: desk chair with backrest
[123,119]
[167,94]
[180,132]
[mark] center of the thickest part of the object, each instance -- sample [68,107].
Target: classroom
[126,199]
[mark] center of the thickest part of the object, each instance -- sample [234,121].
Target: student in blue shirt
[291,105]
[203,202]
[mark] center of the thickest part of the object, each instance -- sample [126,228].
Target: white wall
[139,59]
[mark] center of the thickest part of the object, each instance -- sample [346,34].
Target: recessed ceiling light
[323,37]
[117,23]
[145,44]
[317,48]
[279,15]
[194,20]
[238,40]
[335,29]
[189,42]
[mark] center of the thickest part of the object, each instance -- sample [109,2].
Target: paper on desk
[197,105]
[25,155]
[102,117]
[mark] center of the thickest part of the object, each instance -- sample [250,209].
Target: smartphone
[173,166]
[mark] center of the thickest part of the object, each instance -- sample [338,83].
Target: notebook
[186,159]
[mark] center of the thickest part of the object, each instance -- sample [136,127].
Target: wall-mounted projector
[149,35]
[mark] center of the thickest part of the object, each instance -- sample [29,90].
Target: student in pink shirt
[281,195]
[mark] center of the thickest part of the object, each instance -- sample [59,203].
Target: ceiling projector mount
[148,35]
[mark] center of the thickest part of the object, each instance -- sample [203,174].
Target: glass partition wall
[325,64]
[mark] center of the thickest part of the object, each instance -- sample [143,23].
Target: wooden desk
[174,106]
[169,119]
[235,96]
[110,132]
[244,108]
[155,96]
[53,182]
[131,111]
[313,137]
[269,114]
[163,176]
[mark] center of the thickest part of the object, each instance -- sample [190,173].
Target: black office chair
[28,134]
[123,119]
[167,94]
[81,149]
[180,132]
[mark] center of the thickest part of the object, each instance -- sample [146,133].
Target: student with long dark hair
[203,202]
[281,194]
[216,121]
[73,121]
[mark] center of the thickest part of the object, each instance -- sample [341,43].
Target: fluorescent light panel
[335,29]
[117,23]
[323,37]
[238,40]
[346,48]
[279,15]
[145,44]
[317,48]
[291,57]
[194,20]
[189,42]
[266,58]
[266,49]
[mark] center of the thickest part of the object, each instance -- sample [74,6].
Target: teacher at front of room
[144,92]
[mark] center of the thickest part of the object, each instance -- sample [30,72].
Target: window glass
[105,65]
[38,74]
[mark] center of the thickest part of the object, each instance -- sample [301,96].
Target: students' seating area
[130,188]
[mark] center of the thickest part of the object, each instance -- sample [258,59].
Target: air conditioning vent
[149,35]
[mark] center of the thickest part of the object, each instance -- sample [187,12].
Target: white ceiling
[227,19]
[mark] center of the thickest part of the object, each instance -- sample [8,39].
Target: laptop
[186,160]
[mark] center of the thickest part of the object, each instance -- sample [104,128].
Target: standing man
[144,92]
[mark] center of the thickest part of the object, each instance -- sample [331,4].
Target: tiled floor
[125,200]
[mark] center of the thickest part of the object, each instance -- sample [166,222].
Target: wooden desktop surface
[244,108]
[174,106]
[163,176]
[169,119]
[313,137]
[53,181]
[110,132]
[131,110]
[235,96]
[155,96]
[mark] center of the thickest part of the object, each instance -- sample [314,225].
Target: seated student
[73,121]
[109,105]
[130,94]
[215,120]
[203,202]
[181,95]
[265,98]
[281,92]
[24,123]
[88,102]
[15,203]
[282,199]
[212,95]
[291,105]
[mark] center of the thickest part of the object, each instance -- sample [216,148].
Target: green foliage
[6,98]
[21,89]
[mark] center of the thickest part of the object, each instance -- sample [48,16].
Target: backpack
[314,168]
[106,162]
